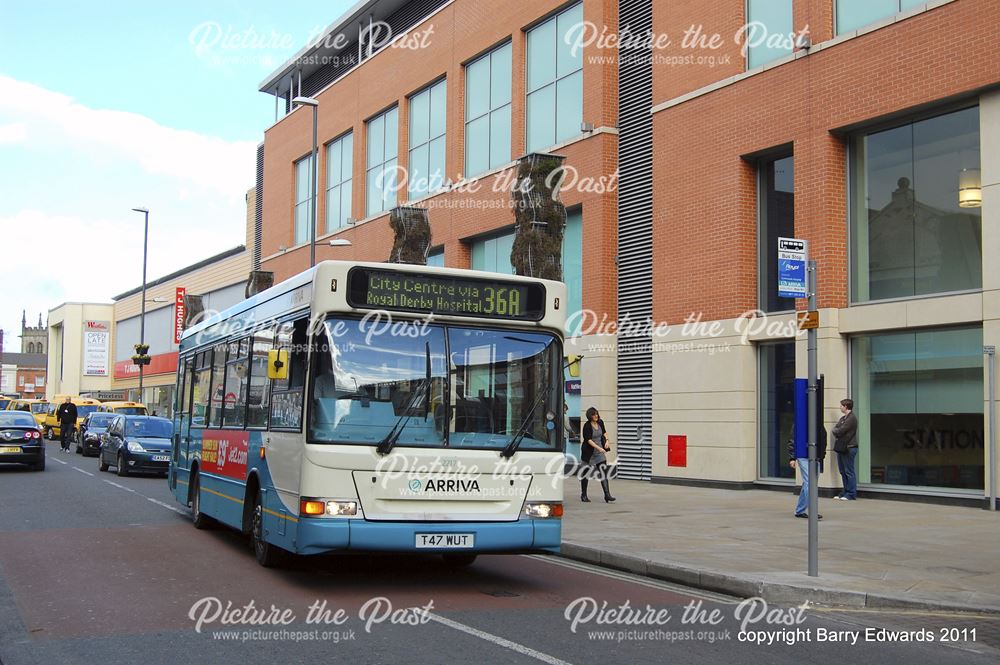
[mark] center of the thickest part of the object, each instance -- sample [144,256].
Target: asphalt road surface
[100,569]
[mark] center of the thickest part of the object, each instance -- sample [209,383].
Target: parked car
[124,408]
[88,438]
[21,440]
[5,402]
[136,444]
[36,407]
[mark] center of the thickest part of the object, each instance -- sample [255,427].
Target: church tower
[33,339]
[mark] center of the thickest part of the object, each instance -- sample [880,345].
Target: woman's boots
[583,490]
[607,492]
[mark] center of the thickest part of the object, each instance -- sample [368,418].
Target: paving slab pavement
[872,553]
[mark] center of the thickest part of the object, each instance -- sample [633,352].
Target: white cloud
[16,132]
[83,243]
[224,166]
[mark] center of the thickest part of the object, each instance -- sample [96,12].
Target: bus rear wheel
[267,555]
[198,518]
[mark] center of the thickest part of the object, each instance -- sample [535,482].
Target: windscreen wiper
[386,445]
[522,431]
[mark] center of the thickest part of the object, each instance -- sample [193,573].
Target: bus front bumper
[319,535]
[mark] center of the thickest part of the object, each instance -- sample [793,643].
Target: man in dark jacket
[66,415]
[802,463]
[845,444]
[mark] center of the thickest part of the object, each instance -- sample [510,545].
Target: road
[96,568]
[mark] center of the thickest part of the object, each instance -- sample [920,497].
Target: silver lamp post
[314,209]
[142,315]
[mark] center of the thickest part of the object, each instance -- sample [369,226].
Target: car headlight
[90,436]
[134,447]
[543,510]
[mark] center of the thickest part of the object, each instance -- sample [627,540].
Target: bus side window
[287,394]
[260,386]
[200,389]
[217,388]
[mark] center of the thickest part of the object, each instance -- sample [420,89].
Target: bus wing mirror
[277,364]
[573,364]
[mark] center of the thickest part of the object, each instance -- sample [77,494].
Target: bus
[377,407]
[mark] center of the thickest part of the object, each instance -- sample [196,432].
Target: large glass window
[776,219]
[456,387]
[338,181]
[303,199]
[487,111]
[218,385]
[910,236]
[572,264]
[555,81]
[776,366]
[436,257]
[919,401]
[854,14]
[260,386]
[427,129]
[381,178]
[493,254]
[765,20]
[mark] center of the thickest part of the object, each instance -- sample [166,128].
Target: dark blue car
[137,444]
[88,437]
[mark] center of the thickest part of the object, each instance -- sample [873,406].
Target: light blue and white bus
[378,407]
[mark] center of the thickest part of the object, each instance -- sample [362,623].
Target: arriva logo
[414,485]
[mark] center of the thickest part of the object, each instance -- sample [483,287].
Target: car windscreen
[100,420]
[131,410]
[84,410]
[39,408]
[149,428]
[17,419]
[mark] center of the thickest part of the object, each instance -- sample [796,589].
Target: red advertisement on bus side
[224,452]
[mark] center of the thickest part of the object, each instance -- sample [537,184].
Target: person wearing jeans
[845,444]
[802,464]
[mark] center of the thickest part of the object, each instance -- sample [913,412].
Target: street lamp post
[314,209]
[142,315]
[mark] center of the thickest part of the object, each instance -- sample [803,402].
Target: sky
[109,106]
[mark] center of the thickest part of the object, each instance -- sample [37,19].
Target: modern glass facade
[776,408]
[555,81]
[909,235]
[381,179]
[766,19]
[775,219]
[487,111]
[303,200]
[918,396]
[338,181]
[426,139]
[854,14]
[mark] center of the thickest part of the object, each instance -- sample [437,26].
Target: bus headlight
[543,510]
[310,507]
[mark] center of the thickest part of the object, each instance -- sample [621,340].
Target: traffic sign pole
[813,430]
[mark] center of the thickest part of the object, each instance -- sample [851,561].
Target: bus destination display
[444,295]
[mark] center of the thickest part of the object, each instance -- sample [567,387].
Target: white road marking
[121,487]
[167,506]
[635,579]
[82,471]
[499,641]
[56,459]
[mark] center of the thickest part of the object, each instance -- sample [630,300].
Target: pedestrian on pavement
[66,415]
[594,454]
[845,444]
[802,464]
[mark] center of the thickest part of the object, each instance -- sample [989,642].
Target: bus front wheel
[268,555]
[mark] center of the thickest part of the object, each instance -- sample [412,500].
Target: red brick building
[870,129]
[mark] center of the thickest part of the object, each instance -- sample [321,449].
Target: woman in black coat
[594,451]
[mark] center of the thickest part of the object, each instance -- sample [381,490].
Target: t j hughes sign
[180,313]
[792,257]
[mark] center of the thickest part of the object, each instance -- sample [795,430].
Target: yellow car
[123,408]
[84,406]
[5,402]
[36,407]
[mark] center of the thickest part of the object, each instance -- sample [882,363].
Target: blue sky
[106,106]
